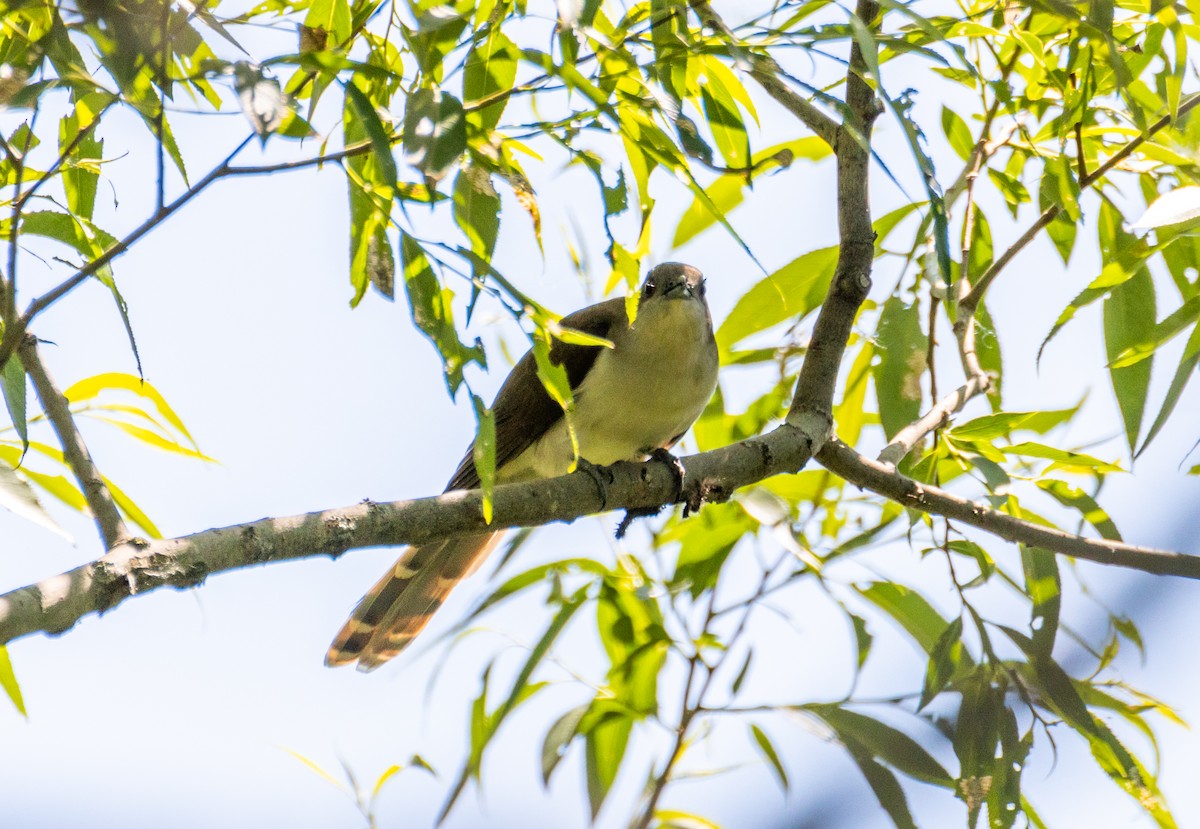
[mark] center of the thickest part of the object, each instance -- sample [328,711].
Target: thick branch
[856,252]
[75,452]
[56,604]
[884,480]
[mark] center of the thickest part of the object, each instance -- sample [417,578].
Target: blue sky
[189,704]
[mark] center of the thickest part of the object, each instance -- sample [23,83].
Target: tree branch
[856,253]
[75,452]
[966,307]
[935,418]
[805,110]
[135,567]
[884,480]
[766,72]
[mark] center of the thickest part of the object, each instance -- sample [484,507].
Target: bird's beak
[679,290]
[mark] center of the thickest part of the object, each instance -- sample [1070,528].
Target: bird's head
[673,280]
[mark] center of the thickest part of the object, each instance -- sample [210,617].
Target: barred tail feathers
[401,603]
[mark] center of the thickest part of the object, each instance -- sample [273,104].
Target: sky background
[186,707]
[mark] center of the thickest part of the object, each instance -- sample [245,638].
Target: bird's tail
[400,604]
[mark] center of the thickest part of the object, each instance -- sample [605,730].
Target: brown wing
[523,408]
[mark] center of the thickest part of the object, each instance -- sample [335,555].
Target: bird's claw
[677,473]
[673,464]
[600,476]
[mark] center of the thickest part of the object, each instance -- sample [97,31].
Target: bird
[631,400]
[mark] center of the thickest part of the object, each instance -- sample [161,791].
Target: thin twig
[64,155]
[9,311]
[766,73]
[970,302]
[695,662]
[75,452]
[934,419]
[14,332]
[161,116]
[805,110]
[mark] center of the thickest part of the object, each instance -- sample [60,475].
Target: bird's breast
[639,395]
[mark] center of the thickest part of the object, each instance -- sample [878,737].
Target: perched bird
[638,396]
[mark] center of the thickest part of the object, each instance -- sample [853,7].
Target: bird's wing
[524,411]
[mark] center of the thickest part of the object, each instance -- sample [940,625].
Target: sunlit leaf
[789,293]
[1179,207]
[19,498]
[13,387]
[8,681]
[902,362]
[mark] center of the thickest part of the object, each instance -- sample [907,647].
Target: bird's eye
[648,290]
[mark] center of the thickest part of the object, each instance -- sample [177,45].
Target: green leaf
[1058,691]
[675,819]
[490,71]
[8,681]
[944,660]
[1183,373]
[80,173]
[1076,499]
[991,357]
[537,576]
[606,729]
[790,293]
[977,730]
[957,133]
[725,121]
[477,209]
[1162,333]
[91,387]
[631,630]
[132,511]
[729,190]
[483,453]
[1070,461]
[914,613]
[882,741]
[381,141]
[768,750]
[1043,585]
[12,384]
[152,438]
[484,726]
[902,349]
[430,306]
[435,132]
[705,544]
[561,733]
[1129,314]
[1001,424]
[331,15]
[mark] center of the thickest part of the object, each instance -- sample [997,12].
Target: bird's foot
[632,515]
[677,472]
[673,464]
[600,476]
